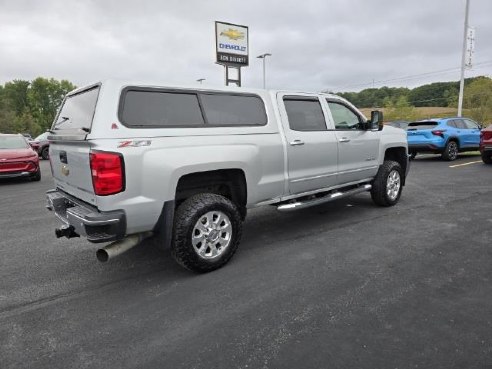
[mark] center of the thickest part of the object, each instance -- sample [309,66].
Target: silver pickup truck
[183,164]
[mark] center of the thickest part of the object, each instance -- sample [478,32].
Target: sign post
[232,49]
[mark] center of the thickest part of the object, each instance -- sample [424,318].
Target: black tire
[45,152]
[450,152]
[37,176]
[487,157]
[186,220]
[412,155]
[381,192]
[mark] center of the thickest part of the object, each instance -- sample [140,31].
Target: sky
[316,45]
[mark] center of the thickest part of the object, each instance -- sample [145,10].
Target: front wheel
[45,153]
[387,186]
[37,176]
[207,232]
[487,157]
[450,151]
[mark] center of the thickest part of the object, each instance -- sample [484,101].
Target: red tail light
[486,135]
[108,172]
[439,132]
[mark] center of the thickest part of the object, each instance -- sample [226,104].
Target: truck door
[311,148]
[358,148]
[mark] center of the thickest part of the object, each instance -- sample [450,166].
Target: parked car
[445,136]
[34,145]
[43,145]
[486,144]
[185,164]
[403,124]
[17,158]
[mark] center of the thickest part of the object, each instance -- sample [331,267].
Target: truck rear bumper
[86,220]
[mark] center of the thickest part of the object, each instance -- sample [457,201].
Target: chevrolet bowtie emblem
[65,170]
[233,34]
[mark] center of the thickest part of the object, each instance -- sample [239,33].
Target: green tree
[15,93]
[478,99]
[44,97]
[399,109]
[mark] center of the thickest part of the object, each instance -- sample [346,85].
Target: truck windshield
[77,111]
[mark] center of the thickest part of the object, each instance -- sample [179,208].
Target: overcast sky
[315,44]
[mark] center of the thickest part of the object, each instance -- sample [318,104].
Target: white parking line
[461,165]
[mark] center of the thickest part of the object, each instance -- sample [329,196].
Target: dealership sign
[232,44]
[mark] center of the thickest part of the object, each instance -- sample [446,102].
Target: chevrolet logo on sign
[233,34]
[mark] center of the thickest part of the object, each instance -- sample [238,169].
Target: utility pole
[463,56]
[263,56]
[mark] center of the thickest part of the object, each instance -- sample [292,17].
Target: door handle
[344,139]
[296,143]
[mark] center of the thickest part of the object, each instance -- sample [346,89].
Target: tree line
[401,102]
[31,106]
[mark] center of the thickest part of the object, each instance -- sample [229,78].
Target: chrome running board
[321,200]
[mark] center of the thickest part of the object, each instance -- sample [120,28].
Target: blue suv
[445,136]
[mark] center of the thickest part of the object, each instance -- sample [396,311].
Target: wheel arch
[398,154]
[230,183]
[455,139]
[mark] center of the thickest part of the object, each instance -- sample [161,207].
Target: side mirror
[376,122]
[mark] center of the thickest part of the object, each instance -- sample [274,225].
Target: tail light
[439,132]
[485,135]
[108,172]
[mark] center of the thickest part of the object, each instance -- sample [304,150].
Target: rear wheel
[450,152]
[45,153]
[487,157]
[207,232]
[387,186]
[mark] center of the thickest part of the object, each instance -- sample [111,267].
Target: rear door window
[304,114]
[460,124]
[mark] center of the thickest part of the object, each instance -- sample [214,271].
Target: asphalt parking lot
[343,285]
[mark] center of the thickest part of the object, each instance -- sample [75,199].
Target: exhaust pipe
[119,247]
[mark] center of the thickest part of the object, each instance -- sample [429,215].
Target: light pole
[462,80]
[200,80]
[263,56]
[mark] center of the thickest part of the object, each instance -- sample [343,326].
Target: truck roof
[115,83]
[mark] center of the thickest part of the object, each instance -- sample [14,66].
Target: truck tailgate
[71,169]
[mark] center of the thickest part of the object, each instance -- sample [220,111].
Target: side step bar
[321,200]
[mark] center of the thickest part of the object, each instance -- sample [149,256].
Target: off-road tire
[185,219]
[45,153]
[450,152]
[379,191]
[487,157]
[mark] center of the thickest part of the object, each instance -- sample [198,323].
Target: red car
[17,158]
[486,144]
